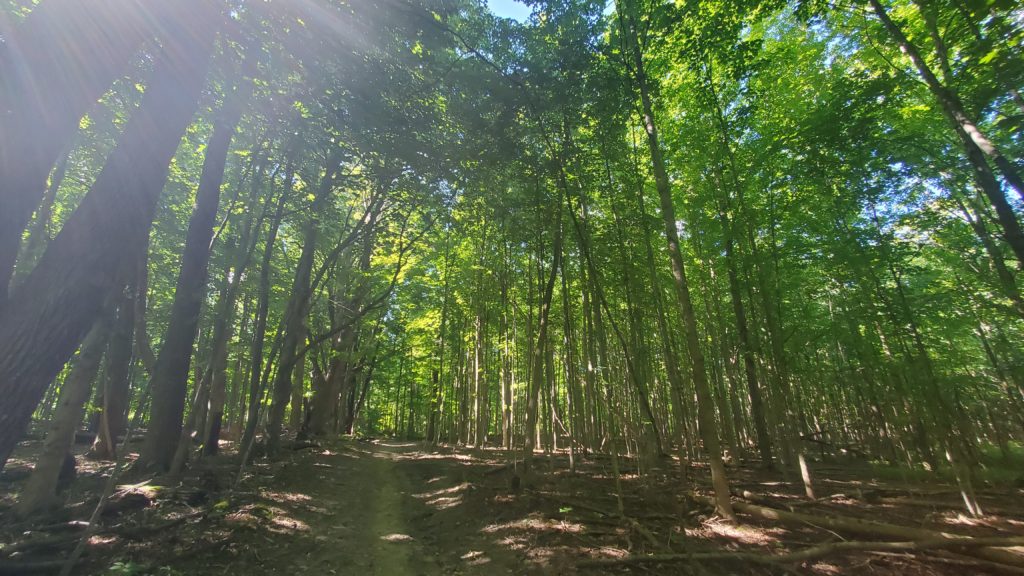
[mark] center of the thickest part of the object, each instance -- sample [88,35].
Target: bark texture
[50,313]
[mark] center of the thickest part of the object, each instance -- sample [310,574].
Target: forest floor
[394,508]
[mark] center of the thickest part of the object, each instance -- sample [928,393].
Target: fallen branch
[574,504]
[632,523]
[950,557]
[815,552]
[952,505]
[875,529]
[71,526]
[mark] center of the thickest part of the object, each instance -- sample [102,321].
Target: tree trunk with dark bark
[298,309]
[53,68]
[50,313]
[262,310]
[117,382]
[170,378]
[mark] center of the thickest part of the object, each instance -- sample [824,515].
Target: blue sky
[509,9]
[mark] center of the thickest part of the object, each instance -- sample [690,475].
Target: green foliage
[805,159]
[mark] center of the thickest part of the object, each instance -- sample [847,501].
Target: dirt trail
[384,509]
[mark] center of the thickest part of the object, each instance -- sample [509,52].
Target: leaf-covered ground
[398,508]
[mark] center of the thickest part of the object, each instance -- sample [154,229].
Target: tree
[50,312]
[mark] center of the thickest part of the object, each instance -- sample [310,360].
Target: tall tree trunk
[39,231]
[170,378]
[537,361]
[479,382]
[294,329]
[298,387]
[436,397]
[504,333]
[635,349]
[49,314]
[1002,273]
[298,307]
[263,309]
[763,440]
[117,382]
[705,405]
[324,406]
[223,325]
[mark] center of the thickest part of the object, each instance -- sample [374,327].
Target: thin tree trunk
[39,231]
[298,387]
[41,489]
[223,324]
[436,397]
[117,382]
[705,407]
[263,309]
[975,144]
[537,370]
[298,308]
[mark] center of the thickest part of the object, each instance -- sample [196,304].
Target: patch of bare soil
[397,509]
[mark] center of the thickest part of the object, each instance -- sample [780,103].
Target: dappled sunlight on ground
[397,508]
[272,518]
[534,522]
[826,569]
[744,534]
[445,502]
[444,491]
[515,542]
[445,498]
[436,456]
[475,558]
[285,496]
[287,524]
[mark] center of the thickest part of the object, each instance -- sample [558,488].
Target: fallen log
[876,529]
[816,552]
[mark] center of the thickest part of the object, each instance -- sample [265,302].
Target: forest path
[363,498]
[360,508]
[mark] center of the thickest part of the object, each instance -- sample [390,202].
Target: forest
[423,287]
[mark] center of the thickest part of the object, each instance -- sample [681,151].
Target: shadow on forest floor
[399,508]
